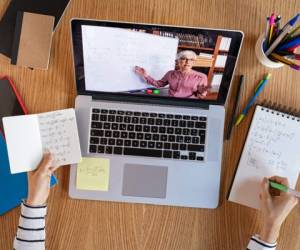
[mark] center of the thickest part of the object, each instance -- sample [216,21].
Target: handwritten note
[271,148]
[29,135]
[93,174]
[59,135]
[105,47]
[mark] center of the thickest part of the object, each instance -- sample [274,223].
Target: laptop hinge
[151,100]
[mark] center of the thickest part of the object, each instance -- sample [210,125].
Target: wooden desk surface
[87,225]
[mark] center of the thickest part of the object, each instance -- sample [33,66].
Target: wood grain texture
[88,225]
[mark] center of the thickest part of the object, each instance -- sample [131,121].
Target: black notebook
[54,8]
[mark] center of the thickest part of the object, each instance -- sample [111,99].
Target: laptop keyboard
[159,135]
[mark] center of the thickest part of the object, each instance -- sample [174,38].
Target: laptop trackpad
[145,181]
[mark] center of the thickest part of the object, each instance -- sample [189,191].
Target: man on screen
[183,82]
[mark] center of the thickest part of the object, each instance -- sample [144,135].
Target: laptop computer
[140,105]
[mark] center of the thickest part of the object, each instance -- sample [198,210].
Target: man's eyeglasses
[186,59]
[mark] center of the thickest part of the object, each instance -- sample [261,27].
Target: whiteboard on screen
[110,55]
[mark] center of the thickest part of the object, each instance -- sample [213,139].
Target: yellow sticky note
[93,174]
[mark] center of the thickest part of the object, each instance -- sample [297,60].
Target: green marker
[156,91]
[284,188]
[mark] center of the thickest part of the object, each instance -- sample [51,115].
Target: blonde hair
[186,54]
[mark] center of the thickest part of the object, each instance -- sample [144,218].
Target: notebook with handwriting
[271,148]
[28,136]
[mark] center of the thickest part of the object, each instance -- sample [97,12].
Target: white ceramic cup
[261,56]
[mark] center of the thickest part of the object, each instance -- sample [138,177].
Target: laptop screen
[154,61]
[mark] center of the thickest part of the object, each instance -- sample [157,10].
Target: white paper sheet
[110,55]
[271,148]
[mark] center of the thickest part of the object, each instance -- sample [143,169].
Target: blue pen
[252,100]
[289,44]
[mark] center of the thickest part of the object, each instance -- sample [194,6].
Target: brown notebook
[32,41]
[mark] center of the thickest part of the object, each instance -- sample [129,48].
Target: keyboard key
[140,136]
[153,115]
[122,126]
[150,121]
[175,146]
[103,141]
[162,130]
[137,113]
[171,138]
[117,150]
[151,144]
[202,139]
[167,123]
[190,124]
[185,131]
[200,158]
[176,155]
[202,118]
[158,145]
[184,157]
[135,143]
[194,118]
[170,116]
[182,147]
[167,154]
[146,128]
[120,112]
[170,130]
[103,118]
[174,123]
[104,111]
[101,149]
[201,132]
[111,142]
[200,125]
[119,119]
[114,126]
[112,112]
[161,115]
[97,125]
[96,110]
[138,128]
[192,156]
[154,129]
[135,120]
[194,132]
[124,135]
[106,125]
[107,133]
[94,140]
[147,136]
[182,124]
[143,152]
[178,131]
[198,148]
[131,135]
[195,140]
[163,137]
[95,117]
[145,114]
[158,122]
[179,138]
[155,137]
[130,127]
[116,134]
[111,118]
[143,120]
[167,145]
[186,117]
[108,150]
[95,132]
[127,119]
[128,113]
[143,144]
[178,116]
[187,139]
[93,148]
[127,143]
[120,142]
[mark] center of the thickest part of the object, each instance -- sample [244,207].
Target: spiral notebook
[271,148]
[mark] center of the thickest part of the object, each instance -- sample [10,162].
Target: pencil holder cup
[261,56]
